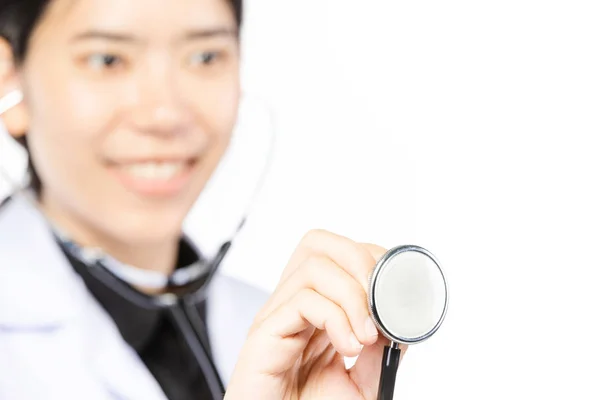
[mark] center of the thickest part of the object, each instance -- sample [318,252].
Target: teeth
[155,171]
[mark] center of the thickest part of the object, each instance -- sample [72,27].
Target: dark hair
[18,19]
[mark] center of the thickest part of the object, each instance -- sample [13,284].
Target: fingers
[376,251]
[351,256]
[321,274]
[323,287]
[287,330]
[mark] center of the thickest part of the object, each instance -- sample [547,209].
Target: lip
[154,187]
[155,159]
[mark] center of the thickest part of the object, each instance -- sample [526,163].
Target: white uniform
[57,342]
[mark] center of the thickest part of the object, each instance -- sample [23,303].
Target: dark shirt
[154,334]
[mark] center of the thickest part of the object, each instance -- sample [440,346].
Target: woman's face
[130,106]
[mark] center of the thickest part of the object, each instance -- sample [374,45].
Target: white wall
[467,127]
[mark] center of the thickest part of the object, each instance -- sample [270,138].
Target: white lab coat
[57,342]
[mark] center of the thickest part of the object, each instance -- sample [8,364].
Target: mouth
[155,171]
[155,177]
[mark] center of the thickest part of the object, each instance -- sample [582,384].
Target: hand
[317,314]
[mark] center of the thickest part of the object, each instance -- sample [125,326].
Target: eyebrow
[210,33]
[104,35]
[114,36]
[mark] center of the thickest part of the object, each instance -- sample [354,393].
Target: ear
[16,119]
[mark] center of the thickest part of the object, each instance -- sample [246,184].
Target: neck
[159,256]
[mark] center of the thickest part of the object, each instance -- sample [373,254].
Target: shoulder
[232,306]
[231,297]
[238,289]
[34,279]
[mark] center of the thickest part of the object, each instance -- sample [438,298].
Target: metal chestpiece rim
[373,280]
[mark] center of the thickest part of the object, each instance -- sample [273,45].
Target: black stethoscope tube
[389,368]
[181,309]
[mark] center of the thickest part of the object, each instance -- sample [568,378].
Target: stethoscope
[408,291]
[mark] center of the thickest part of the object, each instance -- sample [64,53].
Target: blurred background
[469,128]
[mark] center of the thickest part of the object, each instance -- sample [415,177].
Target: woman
[127,108]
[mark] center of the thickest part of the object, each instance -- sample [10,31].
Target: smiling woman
[100,139]
[126,109]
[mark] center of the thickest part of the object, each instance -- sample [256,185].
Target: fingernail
[354,342]
[370,328]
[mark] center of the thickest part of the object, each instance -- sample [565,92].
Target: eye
[100,61]
[204,58]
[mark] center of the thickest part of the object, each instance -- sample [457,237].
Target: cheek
[216,111]
[223,117]
[218,105]
[70,105]
[69,110]
[63,132]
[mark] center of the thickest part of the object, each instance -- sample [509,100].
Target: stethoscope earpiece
[10,100]
[7,102]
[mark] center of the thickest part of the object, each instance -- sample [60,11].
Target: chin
[148,229]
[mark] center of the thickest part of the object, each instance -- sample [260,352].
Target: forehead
[145,17]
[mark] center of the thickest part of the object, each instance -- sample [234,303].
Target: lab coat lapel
[56,341]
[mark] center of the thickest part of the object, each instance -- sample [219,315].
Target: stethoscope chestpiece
[408,294]
[408,301]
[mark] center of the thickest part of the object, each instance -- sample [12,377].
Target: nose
[159,106]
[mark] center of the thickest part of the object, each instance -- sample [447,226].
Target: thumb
[367,370]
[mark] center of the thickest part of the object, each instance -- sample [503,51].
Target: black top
[154,333]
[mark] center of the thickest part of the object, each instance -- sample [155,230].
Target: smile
[161,171]
[155,178]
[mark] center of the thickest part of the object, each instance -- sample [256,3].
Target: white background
[467,127]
